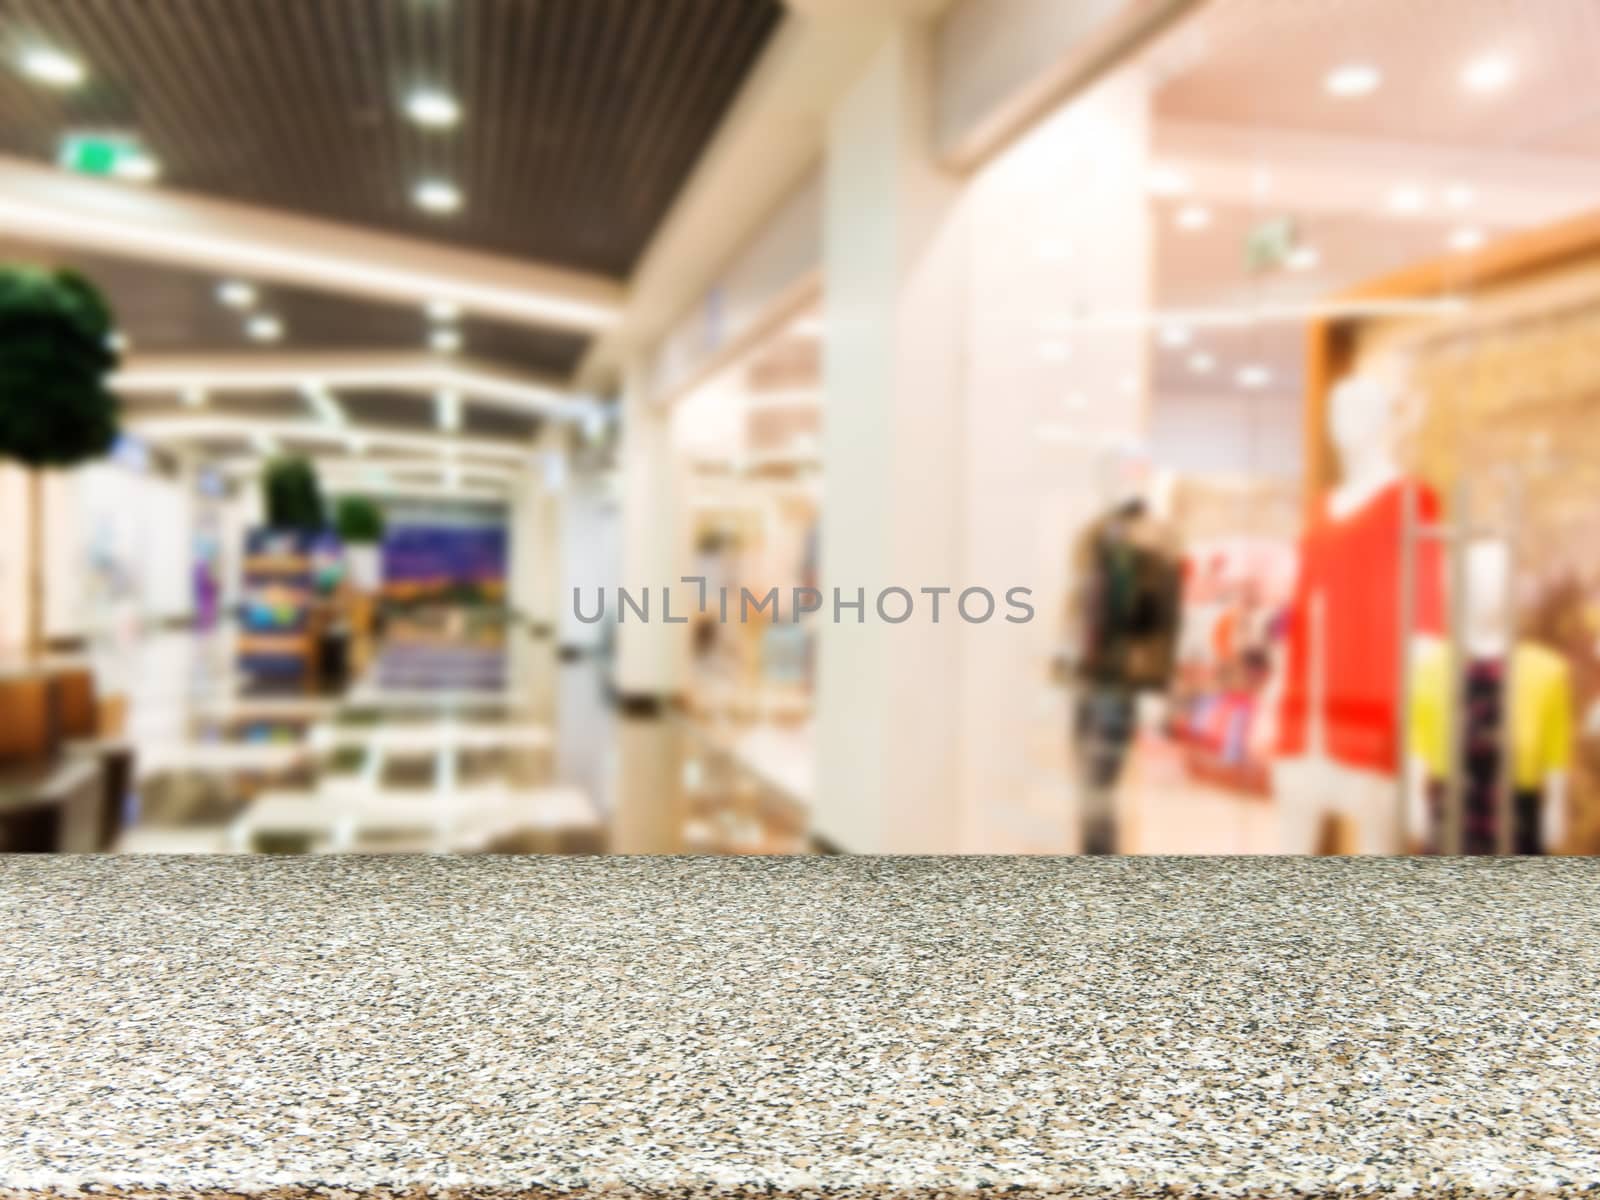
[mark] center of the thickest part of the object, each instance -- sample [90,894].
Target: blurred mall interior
[408,407]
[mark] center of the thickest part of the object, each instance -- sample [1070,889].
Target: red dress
[1354,562]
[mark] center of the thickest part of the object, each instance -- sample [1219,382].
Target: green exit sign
[111,155]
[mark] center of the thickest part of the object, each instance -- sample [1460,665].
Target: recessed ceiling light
[1194,216]
[264,328]
[445,341]
[1164,180]
[1253,376]
[1408,198]
[136,168]
[437,196]
[193,397]
[1174,336]
[1353,79]
[1490,73]
[1459,195]
[1466,238]
[447,411]
[1053,250]
[443,310]
[1303,258]
[1202,363]
[236,293]
[433,108]
[53,67]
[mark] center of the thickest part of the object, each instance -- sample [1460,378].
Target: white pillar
[651,655]
[893,257]
[957,453]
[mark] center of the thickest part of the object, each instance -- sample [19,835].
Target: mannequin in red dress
[1341,722]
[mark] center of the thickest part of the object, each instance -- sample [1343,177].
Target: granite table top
[678,1027]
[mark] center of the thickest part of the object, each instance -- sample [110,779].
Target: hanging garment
[1353,564]
[1482,707]
[1131,583]
[1541,713]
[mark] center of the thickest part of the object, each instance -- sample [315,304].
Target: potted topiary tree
[292,496]
[56,408]
[360,525]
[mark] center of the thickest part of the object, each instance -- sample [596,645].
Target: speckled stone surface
[845,1027]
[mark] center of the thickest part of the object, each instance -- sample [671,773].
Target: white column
[888,749]
[651,655]
[964,418]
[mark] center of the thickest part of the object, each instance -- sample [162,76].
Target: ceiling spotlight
[53,67]
[1167,181]
[1253,376]
[1407,199]
[437,196]
[1194,216]
[443,310]
[264,328]
[1459,195]
[433,108]
[1466,239]
[445,341]
[1490,73]
[236,294]
[1175,336]
[1202,363]
[447,411]
[1303,258]
[193,398]
[1353,79]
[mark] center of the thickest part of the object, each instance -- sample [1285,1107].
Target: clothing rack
[1456,536]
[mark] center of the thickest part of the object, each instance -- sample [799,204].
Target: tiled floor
[483,744]
[502,745]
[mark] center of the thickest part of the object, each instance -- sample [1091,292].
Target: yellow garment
[1541,712]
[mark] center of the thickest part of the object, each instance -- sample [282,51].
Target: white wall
[14,521]
[118,550]
[785,250]
[1256,434]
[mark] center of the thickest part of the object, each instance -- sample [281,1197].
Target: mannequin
[1123,623]
[1340,720]
[1540,695]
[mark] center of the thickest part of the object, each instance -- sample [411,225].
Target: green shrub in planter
[359,521]
[56,408]
[292,496]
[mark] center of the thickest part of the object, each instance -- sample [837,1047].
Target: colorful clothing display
[1353,563]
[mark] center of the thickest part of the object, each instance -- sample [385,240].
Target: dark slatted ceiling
[582,118]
